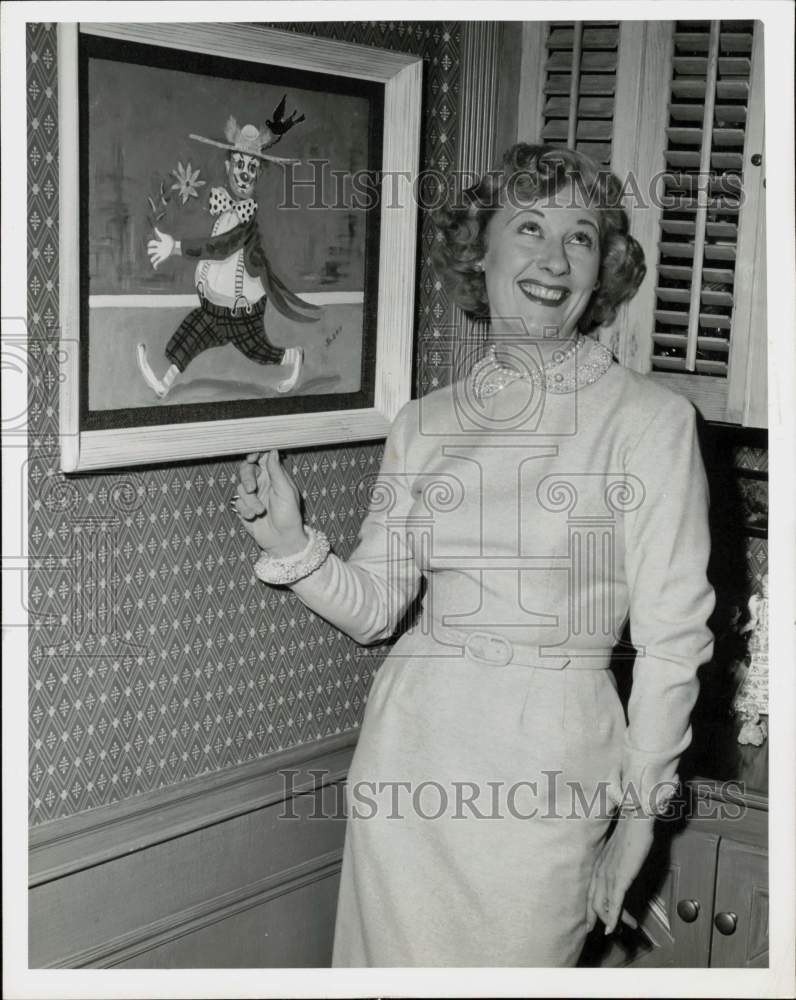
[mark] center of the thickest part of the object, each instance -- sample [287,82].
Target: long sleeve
[366,595]
[667,550]
[217,247]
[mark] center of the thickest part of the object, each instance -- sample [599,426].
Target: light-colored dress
[494,746]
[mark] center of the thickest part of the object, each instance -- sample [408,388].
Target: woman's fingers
[589,901]
[614,871]
[275,471]
[281,481]
[604,900]
[249,471]
[596,891]
[249,504]
[264,483]
[616,899]
[248,476]
[609,910]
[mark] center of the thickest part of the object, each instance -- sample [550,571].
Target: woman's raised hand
[269,505]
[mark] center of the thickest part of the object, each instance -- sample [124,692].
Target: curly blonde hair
[528,173]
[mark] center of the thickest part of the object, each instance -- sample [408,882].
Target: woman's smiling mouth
[549,295]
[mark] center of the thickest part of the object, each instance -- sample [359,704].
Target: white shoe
[293,356]
[150,377]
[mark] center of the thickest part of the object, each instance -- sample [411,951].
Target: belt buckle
[490,648]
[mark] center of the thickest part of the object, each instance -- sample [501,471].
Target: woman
[543,501]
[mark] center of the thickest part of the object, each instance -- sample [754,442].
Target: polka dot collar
[222,201]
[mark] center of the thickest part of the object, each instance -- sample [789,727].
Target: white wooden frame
[402,78]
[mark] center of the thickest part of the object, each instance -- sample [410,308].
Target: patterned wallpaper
[155,656]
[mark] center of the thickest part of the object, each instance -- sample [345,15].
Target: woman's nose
[553,259]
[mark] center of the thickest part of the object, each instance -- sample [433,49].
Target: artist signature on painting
[333,336]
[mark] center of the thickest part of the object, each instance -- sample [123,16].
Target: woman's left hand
[617,866]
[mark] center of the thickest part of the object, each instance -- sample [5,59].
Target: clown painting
[232,272]
[229,262]
[233,277]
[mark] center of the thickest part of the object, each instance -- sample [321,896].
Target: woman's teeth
[542,292]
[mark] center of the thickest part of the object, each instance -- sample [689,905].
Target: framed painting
[231,277]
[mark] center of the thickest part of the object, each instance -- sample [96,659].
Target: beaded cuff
[295,567]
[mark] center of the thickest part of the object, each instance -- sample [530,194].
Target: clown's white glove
[161,248]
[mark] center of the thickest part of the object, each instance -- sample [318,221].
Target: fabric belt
[499,651]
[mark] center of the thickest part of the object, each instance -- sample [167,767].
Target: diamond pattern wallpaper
[155,655]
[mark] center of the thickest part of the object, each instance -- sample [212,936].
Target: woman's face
[541,264]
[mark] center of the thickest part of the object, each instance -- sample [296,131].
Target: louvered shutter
[703,188]
[579,86]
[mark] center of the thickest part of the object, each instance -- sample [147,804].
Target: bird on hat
[254,141]
[280,125]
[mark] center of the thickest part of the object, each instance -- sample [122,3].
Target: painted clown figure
[233,277]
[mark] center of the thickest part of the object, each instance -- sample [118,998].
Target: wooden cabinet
[702,898]
[712,909]
[678,918]
[739,939]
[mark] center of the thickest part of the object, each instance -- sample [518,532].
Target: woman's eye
[582,239]
[530,227]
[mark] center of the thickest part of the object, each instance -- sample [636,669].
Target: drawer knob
[726,923]
[688,910]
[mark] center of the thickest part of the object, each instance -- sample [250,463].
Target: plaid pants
[213,326]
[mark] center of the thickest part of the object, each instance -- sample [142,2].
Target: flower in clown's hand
[188,182]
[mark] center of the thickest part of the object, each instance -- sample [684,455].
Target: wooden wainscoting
[238,869]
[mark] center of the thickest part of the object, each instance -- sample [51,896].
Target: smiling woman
[557,201]
[541,265]
[544,503]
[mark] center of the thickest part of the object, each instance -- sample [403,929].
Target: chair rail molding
[64,846]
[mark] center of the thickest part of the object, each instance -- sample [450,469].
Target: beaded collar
[579,365]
